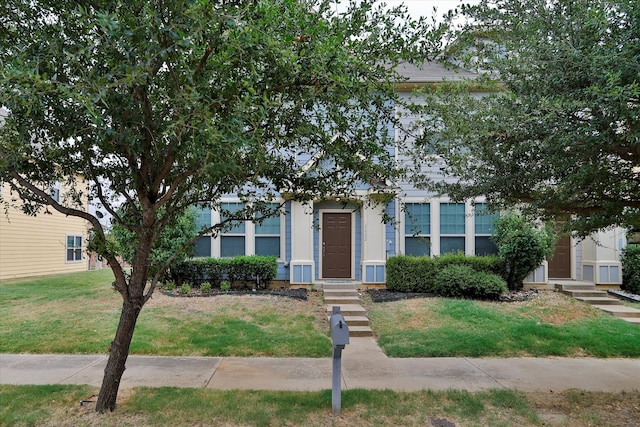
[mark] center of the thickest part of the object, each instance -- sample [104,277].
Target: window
[268,236]
[202,247]
[417,229]
[232,241]
[452,227]
[484,226]
[74,248]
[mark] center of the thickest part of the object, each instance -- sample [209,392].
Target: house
[346,239]
[50,243]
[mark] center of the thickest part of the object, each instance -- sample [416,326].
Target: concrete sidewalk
[363,366]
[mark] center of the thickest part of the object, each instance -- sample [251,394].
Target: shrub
[411,274]
[170,286]
[225,286]
[487,263]
[185,289]
[521,247]
[205,288]
[244,269]
[631,269]
[461,281]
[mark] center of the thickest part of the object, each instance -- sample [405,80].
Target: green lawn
[59,405]
[551,325]
[78,313]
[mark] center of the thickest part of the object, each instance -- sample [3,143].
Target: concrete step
[585,293]
[354,320]
[599,300]
[341,300]
[620,311]
[634,320]
[360,331]
[339,286]
[575,287]
[347,310]
[340,293]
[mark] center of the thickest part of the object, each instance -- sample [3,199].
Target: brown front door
[560,264]
[336,245]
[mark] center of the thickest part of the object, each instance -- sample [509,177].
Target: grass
[59,405]
[78,313]
[554,325]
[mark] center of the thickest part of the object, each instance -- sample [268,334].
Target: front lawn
[551,324]
[78,313]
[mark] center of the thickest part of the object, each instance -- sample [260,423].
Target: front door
[560,264]
[336,245]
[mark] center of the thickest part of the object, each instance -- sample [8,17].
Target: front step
[585,293]
[621,311]
[337,300]
[339,292]
[599,301]
[354,320]
[360,331]
[347,310]
[575,287]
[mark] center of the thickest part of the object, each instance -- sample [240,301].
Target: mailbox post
[339,338]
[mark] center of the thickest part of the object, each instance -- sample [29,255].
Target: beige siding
[36,246]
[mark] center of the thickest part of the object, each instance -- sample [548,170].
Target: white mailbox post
[339,338]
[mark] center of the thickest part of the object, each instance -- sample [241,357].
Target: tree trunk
[118,354]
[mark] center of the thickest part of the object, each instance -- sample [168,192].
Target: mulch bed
[300,294]
[385,295]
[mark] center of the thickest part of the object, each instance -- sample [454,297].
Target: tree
[558,132]
[176,238]
[521,246]
[160,106]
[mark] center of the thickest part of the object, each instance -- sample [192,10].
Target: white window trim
[249,234]
[66,248]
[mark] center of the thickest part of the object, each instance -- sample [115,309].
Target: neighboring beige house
[49,243]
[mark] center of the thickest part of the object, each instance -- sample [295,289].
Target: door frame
[321,213]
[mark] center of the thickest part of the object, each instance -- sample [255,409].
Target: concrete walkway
[363,366]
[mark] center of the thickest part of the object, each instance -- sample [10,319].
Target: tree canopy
[150,107]
[556,132]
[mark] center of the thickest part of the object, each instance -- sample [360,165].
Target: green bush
[418,274]
[411,274]
[205,288]
[487,263]
[522,247]
[243,269]
[185,289]
[631,269]
[462,281]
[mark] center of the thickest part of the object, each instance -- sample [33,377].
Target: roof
[431,72]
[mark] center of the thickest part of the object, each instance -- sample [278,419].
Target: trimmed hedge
[242,269]
[631,269]
[418,274]
[462,281]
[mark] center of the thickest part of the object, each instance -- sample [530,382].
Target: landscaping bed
[300,294]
